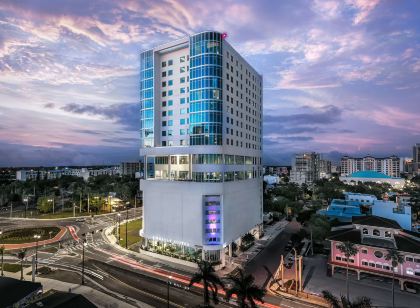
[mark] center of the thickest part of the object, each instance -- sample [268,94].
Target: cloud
[125,114]
[325,115]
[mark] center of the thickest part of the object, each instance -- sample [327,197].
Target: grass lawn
[26,235]
[133,229]
[66,214]
[13,267]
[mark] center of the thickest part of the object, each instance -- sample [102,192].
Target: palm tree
[349,250]
[21,255]
[2,253]
[396,258]
[245,289]
[360,302]
[210,280]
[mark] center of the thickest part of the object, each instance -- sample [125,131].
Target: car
[80,219]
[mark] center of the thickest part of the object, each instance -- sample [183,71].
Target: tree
[210,280]
[2,253]
[396,258]
[320,227]
[44,206]
[349,250]
[246,291]
[21,255]
[360,302]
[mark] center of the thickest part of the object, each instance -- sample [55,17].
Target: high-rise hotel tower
[201,128]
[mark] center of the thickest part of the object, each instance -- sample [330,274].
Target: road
[144,279]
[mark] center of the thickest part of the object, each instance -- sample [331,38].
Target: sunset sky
[339,76]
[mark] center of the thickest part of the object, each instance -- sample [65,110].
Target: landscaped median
[24,238]
[133,229]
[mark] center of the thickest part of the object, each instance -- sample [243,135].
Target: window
[170,123]
[365,263]
[182,90]
[169,132]
[378,254]
[182,142]
[164,84]
[170,112]
[182,80]
[163,113]
[163,133]
[378,265]
[387,233]
[163,63]
[163,93]
[409,271]
[371,264]
[365,231]
[170,82]
[417,260]
[183,111]
[164,104]
[182,59]
[182,121]
[170,102]
[163,74]
[170,72]
[170,143]
[170,92]
[182,100]
[376,232]
[386,267]
[182,131]
[163,123]
[182,69]
[170,62]
[409,259]
[164,143]
[338,258]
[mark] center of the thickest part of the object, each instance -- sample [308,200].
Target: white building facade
[201,127]
[387,165]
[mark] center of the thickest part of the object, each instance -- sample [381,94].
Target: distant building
[309,167]
[373,236]
[272,179]
[372,176]
[387,165]
[407,165]
[276,170]
[130,168]
[85,173]
[416,159]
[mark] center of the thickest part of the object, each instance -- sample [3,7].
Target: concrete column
[401,282]
[358,275]
[169,167]
[230,250]
[145,167]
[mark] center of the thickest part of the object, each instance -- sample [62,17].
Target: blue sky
[339,76]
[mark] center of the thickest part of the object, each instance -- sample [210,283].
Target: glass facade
[206,89]
[212,223]
[146,99]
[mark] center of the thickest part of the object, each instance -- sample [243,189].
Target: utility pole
[11,209]
[83,258]
[312,244]
[80,205]
[88,204]
[296,271]
[300,273]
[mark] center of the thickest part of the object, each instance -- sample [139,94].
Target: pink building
[373,237]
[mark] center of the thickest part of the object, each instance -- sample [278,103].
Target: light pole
[119,231]
[2,253]
[168,283]
[296,270]
[52,200]
[26,200]
[37,237]
[83,258]
[126,229]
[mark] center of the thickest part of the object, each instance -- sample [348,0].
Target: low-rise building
[372,176]
[373,237]
[18,293]
[130,168]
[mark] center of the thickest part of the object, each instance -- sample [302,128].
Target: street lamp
[126,229]
[83,258]
[26,200]
[296,270]
[2,252]
[52,200]
[119,230]
[168,283]
[37,237]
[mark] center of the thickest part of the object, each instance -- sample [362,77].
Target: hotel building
[386,165]
[201,128]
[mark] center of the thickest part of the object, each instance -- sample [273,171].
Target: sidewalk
[98,298]
[270,233]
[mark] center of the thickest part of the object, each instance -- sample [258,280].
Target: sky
[340,77]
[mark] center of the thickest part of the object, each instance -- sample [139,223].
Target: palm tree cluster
[241,286]
[343,302]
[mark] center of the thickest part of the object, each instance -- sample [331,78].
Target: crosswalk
[89,244]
